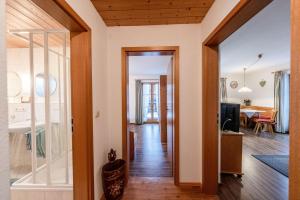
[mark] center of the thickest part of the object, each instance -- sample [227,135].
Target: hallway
[151,159]
[160,189]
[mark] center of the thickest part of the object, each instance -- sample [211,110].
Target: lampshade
[245,89]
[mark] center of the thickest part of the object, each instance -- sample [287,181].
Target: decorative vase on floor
[113,177]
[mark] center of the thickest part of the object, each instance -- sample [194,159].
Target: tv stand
[231,153]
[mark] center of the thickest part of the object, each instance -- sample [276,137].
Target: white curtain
[139,103]
[223,90]
[282,101]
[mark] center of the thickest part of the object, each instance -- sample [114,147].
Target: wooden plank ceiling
[24,14]
[151,12]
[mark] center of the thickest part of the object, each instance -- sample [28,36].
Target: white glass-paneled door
[43,132]
[151,102]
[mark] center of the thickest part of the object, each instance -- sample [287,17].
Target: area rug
[278,162]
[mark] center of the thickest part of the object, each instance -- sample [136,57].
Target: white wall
[215,15]
[4,155]
[260,96]
[187,37]
[132,92]
[88,13]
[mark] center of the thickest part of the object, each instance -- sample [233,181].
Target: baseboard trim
[191,185]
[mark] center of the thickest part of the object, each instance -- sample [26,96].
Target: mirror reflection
[40,84]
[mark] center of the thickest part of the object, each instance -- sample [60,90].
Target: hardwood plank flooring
[260,182]
[151,156]
[154,188]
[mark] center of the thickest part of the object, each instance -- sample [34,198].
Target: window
[151,102]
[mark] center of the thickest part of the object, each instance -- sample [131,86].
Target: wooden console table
[231,152]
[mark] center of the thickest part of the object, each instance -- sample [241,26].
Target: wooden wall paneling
[294,163]
[163,108]
[240,14]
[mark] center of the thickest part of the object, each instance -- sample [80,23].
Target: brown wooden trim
[294,163]
[124,52]
[62,12]
[81,87]
[240,14]
[191,185]
[81,76]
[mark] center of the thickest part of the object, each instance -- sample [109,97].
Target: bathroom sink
[22,127]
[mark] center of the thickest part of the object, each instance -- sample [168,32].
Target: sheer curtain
[139,103]
[282,101]
[223,90]
[147,102]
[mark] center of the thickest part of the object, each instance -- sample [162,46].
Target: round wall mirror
[14,84]
[40,84]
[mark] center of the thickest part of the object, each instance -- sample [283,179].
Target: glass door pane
[155,102]
[151,102]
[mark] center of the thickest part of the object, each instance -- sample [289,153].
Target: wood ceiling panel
[151,12]
[157,21]
[149,4]
[157,13]
[24,14]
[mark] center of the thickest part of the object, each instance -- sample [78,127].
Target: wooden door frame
[81,95]
[242,13]
[161,49]
[239,15]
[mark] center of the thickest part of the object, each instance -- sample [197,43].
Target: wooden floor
[159,189]
[151,158]
[260,182]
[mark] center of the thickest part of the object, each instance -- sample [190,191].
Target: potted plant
[247,102]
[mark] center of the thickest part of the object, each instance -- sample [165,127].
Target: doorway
[39,103]
[151,114]
[80,77]
[259,92]
[151,105]
[243,11]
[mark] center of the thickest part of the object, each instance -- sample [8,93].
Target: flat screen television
[230,117]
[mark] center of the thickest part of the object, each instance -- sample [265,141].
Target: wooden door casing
[163,108]
[170,110]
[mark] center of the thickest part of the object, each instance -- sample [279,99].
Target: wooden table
[250,113]
[231,152]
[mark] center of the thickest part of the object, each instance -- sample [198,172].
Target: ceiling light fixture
[245,89]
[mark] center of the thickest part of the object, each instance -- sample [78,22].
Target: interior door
[163,108]
[151,102]
[170,111]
